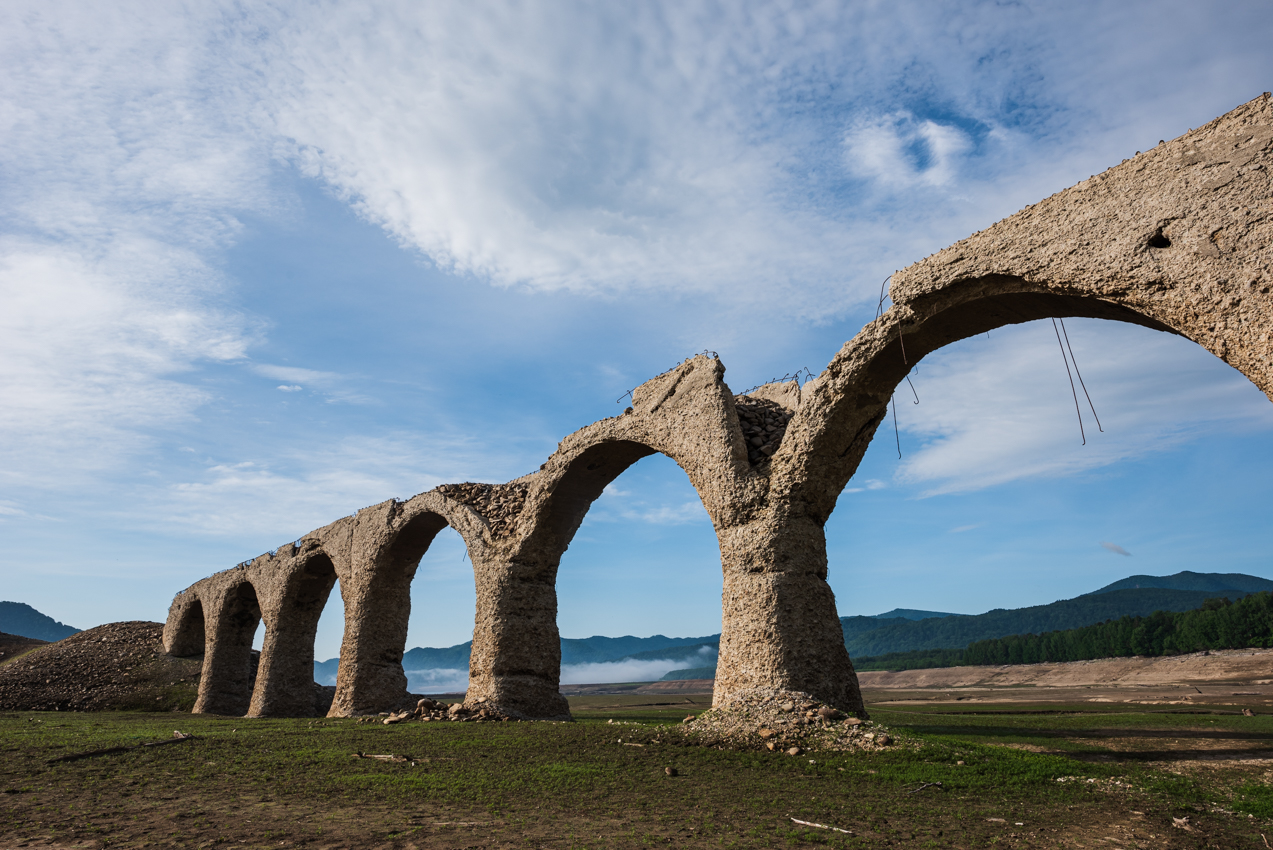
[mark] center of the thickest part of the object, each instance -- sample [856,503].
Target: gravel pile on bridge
[784,721]
[118,666]
[764,424]
[501,504]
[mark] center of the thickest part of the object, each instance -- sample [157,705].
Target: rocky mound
[427,709]
[12,646]
[786,721]
[115,667]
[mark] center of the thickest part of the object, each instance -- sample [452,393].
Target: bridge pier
[516,659]
[779,625]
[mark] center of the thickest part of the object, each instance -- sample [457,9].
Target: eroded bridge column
[377,609]
[779,625]
[516,660]
[285,679]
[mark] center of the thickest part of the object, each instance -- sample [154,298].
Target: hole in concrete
[1159,240]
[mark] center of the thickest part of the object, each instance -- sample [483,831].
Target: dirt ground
[1131,753]
[1242,677]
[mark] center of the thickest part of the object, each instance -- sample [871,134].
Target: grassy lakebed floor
[1011,775]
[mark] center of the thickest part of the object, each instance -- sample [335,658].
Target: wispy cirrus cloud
[119,173]
[618,505]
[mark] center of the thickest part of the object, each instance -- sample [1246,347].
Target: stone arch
[394,537]
[285,678]
[1177,239]
[184,632]
[886,351]
[225,686]
[586,475]
[516,660]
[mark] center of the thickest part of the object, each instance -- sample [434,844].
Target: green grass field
[1070,777]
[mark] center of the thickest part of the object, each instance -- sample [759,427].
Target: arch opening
[190,637]
[372,677]
[642,571]
[971,496]
[584,481]
[956,313]
[440,627]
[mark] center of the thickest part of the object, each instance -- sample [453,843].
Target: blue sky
[261,267]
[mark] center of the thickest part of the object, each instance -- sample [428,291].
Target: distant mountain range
[866,635]
[1204,582]
[911,614]
[18,618]
[593,650]
[899,630]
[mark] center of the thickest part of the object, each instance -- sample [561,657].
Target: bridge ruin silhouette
[1178,238]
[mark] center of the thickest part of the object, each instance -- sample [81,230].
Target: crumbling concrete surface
[1176,239]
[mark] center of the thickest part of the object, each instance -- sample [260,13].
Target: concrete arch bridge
[1178,238]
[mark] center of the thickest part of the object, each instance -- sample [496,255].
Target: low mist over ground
[631,659]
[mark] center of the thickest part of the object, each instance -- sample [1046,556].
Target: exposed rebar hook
[1071,377]
[1080,376]
[896,434]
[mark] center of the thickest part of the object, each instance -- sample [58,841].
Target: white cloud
[900,150]
[290,492]
[618,506]
[454,681]
[1000,409]
[868,484]
[291,389]
[296,374]
[556,146]
[116,179]
[663,147]
[91,349]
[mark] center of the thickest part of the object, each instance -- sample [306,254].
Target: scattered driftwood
[822,826]
[387,757]
[177,738]
[925,785]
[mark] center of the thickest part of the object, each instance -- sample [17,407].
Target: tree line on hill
[866,636]
[1217,624]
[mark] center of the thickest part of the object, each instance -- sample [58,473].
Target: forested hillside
[1217,624]
[1217,584]
[957,631]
